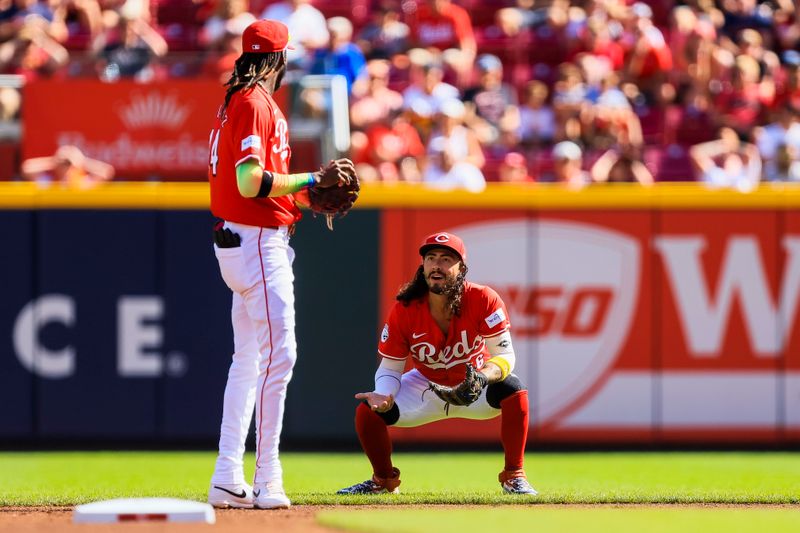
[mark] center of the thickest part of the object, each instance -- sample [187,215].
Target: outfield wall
[645,316]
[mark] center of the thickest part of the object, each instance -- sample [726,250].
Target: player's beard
[445,287]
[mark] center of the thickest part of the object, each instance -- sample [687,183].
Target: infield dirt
[300,518]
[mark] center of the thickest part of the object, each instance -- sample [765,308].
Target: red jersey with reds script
[252,127]
[411,330]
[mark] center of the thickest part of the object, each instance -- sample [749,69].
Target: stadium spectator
[386,35]
[787,82]
[532,15]
[514,169]
[739,104]
[376,100]
[16,14]
[621,166]
[601,41]
[308,29]
[423,98]
[491,101]
[570,96]
[69,167]
[751,43]
[341,56]
[445,26]
[230,16]
[81,17]
[786,165]
[650,59]
[131,52]
[779,146]
[568,165]
[787,31]
[220,62]
[692,42]
[740,162]
[390,150]
[10,103]
[509,23]
[537,121]
[455,157]
[741,14]
[612,121]
[32,53]
[690,122]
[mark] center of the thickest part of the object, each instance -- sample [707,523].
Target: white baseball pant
[259,273]
[419,405]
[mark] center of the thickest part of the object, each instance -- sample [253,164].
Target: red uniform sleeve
[394,340]
[494,319]
[251,131]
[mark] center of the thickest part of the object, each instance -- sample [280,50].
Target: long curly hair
[251,69]
[453,289]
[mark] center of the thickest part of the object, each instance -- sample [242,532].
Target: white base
[143,510]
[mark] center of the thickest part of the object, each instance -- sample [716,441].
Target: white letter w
[704,317]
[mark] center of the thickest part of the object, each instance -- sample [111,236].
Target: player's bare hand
[377,402]
[336,172]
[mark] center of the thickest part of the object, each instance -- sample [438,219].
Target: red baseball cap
[443,239]
[265,36]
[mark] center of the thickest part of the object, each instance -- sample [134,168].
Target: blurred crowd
[458,93]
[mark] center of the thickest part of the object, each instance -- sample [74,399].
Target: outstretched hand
[377,402]
[337,172]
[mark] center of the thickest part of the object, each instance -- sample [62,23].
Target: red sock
[514,428]
[374,437]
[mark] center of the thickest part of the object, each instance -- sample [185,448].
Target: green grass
[544,520]
[469,478]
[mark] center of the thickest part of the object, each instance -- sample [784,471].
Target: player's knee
[390,417]
[497,392]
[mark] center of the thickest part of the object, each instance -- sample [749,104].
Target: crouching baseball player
[457,335]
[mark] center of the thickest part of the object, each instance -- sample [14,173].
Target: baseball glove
[466,392]
[336,200]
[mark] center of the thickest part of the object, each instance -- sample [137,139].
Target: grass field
[567,519]
[36,479]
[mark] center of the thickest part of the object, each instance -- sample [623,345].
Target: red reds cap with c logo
[265,36]
[443,239]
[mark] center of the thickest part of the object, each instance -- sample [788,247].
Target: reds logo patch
[385,333]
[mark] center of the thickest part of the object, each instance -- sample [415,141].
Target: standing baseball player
[457,336]
[256,198]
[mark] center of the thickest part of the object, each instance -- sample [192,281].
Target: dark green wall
[336,284]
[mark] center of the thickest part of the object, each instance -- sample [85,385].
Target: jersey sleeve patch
[251,142]
[385,333]
[495,318]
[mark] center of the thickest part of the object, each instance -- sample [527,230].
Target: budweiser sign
[154,130]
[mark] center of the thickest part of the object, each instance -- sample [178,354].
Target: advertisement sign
[633,325]
[143,130]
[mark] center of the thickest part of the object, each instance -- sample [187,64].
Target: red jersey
[411,330]
[442,31]
[252,127]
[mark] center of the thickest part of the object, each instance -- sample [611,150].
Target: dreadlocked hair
[453,289]
[251,69]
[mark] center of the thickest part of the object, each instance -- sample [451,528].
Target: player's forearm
[502,352]
[254,182]
[387,377]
